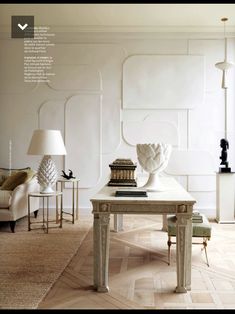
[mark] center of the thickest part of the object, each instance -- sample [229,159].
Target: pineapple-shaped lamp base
[47,174]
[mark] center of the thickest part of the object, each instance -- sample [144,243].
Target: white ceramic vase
[153,158]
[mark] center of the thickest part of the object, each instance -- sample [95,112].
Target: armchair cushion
[30,174]
[14,180]
[18,176]
[5,172]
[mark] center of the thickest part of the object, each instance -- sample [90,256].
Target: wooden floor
[139,276]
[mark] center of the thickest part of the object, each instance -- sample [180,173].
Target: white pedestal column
[225,196]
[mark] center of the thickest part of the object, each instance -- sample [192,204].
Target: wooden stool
[199,230]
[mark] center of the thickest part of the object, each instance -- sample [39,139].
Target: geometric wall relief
[110,131]
[208,119]
[12,68]
[76,77]
[183,128]
[51,115]
[163,81]
[102,55]
[107,58]
[152,115]
[213,50]
[205,202]
[146,131]
[202,183]
[83,138]
[190,162]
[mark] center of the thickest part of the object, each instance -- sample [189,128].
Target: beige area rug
[30,262]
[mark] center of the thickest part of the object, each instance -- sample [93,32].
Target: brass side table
[75,185]
[45,199]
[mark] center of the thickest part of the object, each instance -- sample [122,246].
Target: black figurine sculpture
[224,145]
[68,176]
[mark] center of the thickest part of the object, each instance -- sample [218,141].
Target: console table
[175,200]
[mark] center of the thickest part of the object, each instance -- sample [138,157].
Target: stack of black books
[131,192]
[197,217]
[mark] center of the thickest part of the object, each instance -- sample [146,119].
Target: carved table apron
[174,200]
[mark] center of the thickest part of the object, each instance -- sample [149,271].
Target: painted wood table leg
[183,252]
[118,222]
[96,263]
[101,251]
[189,231]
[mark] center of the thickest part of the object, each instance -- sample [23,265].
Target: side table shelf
[75,186]
[45,220]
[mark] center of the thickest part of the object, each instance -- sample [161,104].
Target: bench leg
[204,248]
[169,248]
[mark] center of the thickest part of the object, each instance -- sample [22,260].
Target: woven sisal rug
[30,262]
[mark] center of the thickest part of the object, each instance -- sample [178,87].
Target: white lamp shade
[47,142]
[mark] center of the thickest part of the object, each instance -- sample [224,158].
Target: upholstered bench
[199,230]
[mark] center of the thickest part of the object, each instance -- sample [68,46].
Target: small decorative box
[122,173]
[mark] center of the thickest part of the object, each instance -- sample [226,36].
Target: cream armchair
[14,203]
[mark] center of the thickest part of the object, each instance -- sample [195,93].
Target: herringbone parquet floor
[139,276]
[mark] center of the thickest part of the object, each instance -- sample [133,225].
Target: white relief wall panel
[146,131]
[204,200]
[83,138]
[76,77]
[149,124]
[190,162]
[183,180]
[213,50]
[84,128]
[12,68]
[160,82]
[151,114]
[51,115]
[183,129]
[107,58]
[89,53]
[161,46]
[202,183]
[111,117]
[213,109]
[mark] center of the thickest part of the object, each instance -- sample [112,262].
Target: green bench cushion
[202,229]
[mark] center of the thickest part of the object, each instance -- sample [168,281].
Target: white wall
[85,101]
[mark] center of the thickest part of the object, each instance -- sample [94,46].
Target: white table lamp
[47,143]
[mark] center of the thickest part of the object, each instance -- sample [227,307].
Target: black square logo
[22,26]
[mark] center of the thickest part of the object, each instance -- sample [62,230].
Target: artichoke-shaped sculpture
[47,174]
[153,158]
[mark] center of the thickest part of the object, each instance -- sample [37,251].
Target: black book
[131,192]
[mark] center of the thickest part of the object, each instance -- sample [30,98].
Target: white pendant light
[224,65]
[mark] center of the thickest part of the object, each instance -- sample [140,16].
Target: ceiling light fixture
[224,65]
